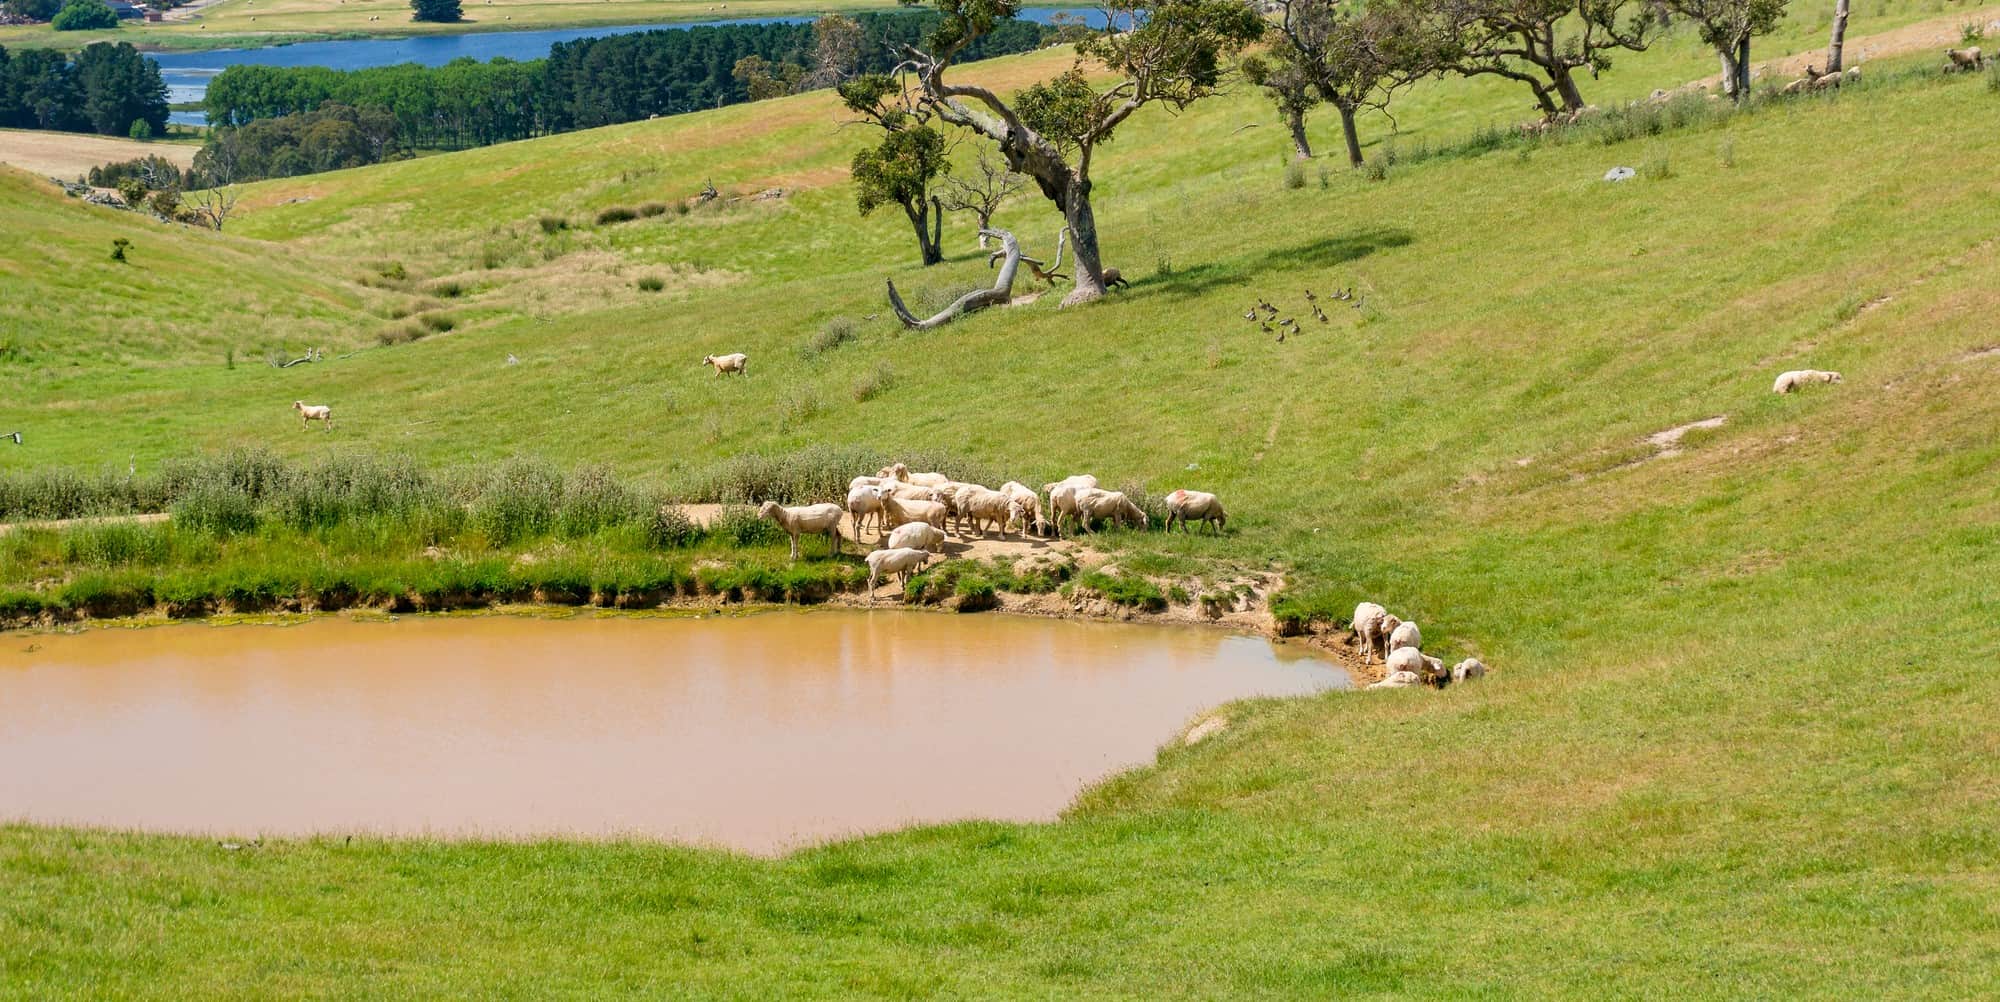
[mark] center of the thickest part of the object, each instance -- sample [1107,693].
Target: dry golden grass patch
[70,155]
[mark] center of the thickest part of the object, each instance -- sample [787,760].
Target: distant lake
[187,73]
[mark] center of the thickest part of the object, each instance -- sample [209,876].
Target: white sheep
[1408,659]
[1093,504]
[948,493]
[862,501]
[982,505]
[1029,502]
[313,413]
[1373,626]
[898,471]
[1963,59]
[1199,506]
[1396,680]
[1789,381]
[812,518]
[902,512]
[916,536]
[900,562]
[1406,634]
[1468,670]
[738,362]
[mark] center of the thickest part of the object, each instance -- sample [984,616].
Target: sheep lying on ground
[1373,625]
[1789,381]
[1963,59]
[1407,659]
[1468,670]
[313,413]
[1198,506]
[738,362]
[916,536]
[897,471]
[1093,504]
[1396,680]
[902,512]
[812,518]
[1406,634]
[900,562]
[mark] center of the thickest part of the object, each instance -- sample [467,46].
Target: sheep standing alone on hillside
[1199,506]
[812,518]
[900,562]
[738,362]
[1789,381]
[313,413]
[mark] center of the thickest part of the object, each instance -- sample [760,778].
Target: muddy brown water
[760,732]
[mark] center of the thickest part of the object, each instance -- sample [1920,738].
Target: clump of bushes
[831,335]
[1125,589]
[438,322]
[740,525]
[817,472]
[616,214]
[652,283]
[651,209]
[553,224]
[874,383]
[447,289]
[401,333]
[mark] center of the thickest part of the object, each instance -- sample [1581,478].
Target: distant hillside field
[1739,741]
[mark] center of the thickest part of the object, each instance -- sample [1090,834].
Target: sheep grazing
[916,536]
[1789,381]
[738,362]
[899,511]
[1435,674]
[1963,59]
[1185,506]
[1063,494]
[311,413]
[1396,680]
[1468,670]
[1372,627]
[1028,502]
[812,518]
[897,471]
[1405,634]
[1113,279]
[900,562]
[1093,504]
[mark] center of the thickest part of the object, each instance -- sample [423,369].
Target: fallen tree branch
[1000,294]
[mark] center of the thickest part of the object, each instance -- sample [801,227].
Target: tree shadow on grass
[1324,252]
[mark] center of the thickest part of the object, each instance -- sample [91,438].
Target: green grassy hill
[1740,741]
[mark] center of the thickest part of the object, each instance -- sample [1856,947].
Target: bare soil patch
[1669,440]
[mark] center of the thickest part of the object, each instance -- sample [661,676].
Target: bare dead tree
[213,205]
[1001,293]
[981,193]
[1839,37]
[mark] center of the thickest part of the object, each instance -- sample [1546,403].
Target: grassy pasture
[1739,741]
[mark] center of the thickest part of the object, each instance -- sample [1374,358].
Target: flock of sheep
[1401,644]
[912,513]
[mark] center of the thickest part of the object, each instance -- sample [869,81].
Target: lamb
[1028,502]
[738,362]
[901,512]
[1468,670]
[1372,628]
[812,518]
[1396,680]
[900,562]
[1197,505]
[916,536]
[1093,504]
[897,471]
[1963,59]
[1789,381]
[1406,635]
[312,412]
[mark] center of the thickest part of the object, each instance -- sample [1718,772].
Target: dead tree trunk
[1353,137]
[1839,36]
[1000,294]
[1743,67]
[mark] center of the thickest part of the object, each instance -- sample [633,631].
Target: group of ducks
[1289,325]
